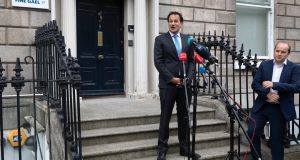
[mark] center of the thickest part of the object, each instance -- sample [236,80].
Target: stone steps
[138,119]
[147,147]
[217,153]
[128,133]
[126,130]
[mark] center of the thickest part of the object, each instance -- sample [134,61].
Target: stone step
[141,118]
[147,147]
[128,133]
[217,153]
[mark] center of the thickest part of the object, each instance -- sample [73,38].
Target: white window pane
[251,29]
[258,2]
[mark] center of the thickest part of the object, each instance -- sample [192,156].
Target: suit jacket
[167,61]
[288,84]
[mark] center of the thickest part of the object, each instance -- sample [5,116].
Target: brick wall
[17,30]
[287,23]
[200,15]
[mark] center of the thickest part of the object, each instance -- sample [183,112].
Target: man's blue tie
[177,44]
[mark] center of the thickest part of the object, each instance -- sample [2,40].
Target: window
[254,26]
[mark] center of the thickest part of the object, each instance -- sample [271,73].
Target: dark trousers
[272,113]
[168,97]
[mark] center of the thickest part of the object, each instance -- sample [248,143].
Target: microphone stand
[194,155]
[232,113]
[187,108]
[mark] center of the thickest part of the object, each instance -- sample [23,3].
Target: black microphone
[202,51]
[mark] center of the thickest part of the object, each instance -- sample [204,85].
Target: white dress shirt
[277,69]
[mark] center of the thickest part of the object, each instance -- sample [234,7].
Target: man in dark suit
[167,48]
[274,82]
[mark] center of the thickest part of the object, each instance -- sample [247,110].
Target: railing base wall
[57,139]
[9,109]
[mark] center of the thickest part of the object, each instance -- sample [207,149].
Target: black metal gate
[56,76]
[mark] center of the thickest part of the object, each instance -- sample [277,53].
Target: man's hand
[273,97]
[267,84]
[176,81]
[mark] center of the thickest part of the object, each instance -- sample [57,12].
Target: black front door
[100,46]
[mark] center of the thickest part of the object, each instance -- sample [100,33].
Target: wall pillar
[153,32]
[53,10]
[128,50]
[68,25]
[140,48]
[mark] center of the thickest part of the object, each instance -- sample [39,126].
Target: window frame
[270,27]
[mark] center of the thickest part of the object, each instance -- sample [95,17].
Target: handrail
[60,84]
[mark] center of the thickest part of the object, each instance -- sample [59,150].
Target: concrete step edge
[199,110]
[113,148]
[141,128]
[211,153]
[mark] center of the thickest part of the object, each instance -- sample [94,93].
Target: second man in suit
[275,83]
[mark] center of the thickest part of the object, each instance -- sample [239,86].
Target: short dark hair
[175,13]
[289,49]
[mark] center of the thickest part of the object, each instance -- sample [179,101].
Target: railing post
[240,59]
[233,55]
[63,83]
[215,45]
[3,84]
[247,61]
[28,60]
[221,44]
[227,47]
[69,101]
[76,81]
[253,73]
[18,83]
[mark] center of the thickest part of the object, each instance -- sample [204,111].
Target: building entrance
[100,46]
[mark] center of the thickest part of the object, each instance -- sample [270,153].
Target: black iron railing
[235,72]
[18,82]
[60,82]
[56,76]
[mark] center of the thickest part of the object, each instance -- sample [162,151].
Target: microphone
[202,51]
[183,58]
[198,59]
[202,71]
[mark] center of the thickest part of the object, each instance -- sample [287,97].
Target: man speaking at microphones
[167,49]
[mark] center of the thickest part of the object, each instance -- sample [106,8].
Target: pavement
[113,107]
[12,153]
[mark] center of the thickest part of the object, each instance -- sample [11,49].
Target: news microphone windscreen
[202,69]
[199,48]
[182,56]
[190,40]
[198,59]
